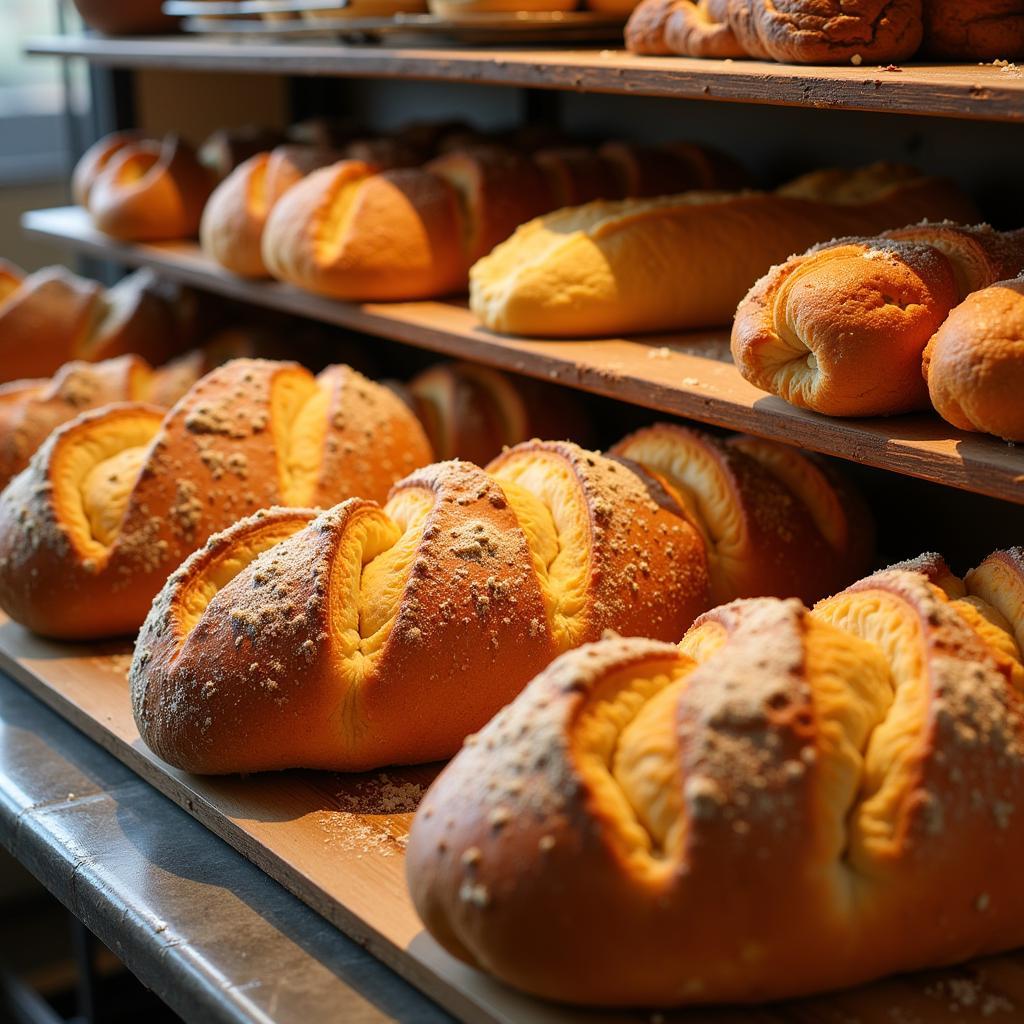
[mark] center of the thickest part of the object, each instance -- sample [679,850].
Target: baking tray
[337,842]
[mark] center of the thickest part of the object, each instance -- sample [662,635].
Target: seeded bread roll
[118,497]
[773,522]
[53,316]
[793,801]
[676,262]
[31,410]
[843,328]
[378,636]
[974,364]
[150,192]
[231,230]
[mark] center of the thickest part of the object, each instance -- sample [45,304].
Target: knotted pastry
[30,410]
[842,329]
[677,262]
[376,636]
[53,316]
[150,191]
[773,519]
[793,801]
[974,364]
[117,498]
[231,229]
[791,31]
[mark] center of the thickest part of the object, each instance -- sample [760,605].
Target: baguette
[790,802]
[117,497]
[677,262]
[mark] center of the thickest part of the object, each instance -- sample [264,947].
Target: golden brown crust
[368,621]
[774,525]
[231,230]
[117,498]
[858,767]
[150,192]
[577,175]
[347,232]
[691,29]
[95,159]
[980,30]
[974,364]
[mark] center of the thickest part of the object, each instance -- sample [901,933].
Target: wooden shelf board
[337,843]
[684,375]
[947,90]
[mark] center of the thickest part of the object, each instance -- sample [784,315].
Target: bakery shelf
[985,92]
[686,375]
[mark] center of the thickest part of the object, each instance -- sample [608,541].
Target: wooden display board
[337,842]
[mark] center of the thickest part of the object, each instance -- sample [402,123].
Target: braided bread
[388,634]
[773,520]
[842,329]
[789,802]
[116,498]
[30,410]
[53,316]
[676,262]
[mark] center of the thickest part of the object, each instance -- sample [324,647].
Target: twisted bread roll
[361,626]
[792,31]
[231,229]
[149,192]
[773,520]
[116,498]
[53,316]
[974,364]
[30,410]
[794,801]
[671,263]
[842,329]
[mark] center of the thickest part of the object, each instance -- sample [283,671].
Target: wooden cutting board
[337,842]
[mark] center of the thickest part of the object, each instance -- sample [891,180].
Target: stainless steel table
[207,931]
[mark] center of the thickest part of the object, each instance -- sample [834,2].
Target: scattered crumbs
[371,816]
[962,993]
[71,796]
[691,382]
[891,67]
[160,926]
[659,353]
[856,60]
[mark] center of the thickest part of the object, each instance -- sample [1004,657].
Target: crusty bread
[978,30]
[53,316]
[31,410]
[416,621]
[347,232]
[93,161]
[150,192]
[974,364]
[773,521]
[675,262]
[793,801]
[693,28]
[842,329]
[117,497]
[231,229]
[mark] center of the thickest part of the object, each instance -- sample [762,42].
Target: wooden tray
[689,375]
[337,843]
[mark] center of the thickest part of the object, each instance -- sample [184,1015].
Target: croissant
[374,636]
[116,498]
[231,229]
[974,364]
[31,409]
[773,519]
[147,191]
[843,328]
[53,316]
[791,801]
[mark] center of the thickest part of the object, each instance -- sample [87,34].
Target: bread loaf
[974,364]
[378,636]
[773,520]
[673,263]
[231,229]
[842,329]
[149,192]
[792,31]
[117,497]
[53,316]
[979,30]
[793,801]
[95,159]
[30,410]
